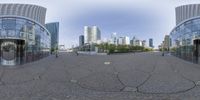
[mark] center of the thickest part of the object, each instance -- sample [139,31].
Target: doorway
[11,51]
[197,50]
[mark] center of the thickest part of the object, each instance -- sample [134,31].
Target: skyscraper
[53,28]
[124,40]
[138,42]
[81,40]
[127,40]
[144,43]
[133,41]
[151,43]
[114,38]
[91,34]
[121,41]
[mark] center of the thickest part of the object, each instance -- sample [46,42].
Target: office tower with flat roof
[53,28]
[114,38]
[124,40]
[81,40]
[151,43]
[91,34]
[144,43]
[127,40]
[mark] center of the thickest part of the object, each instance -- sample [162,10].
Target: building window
[9,23]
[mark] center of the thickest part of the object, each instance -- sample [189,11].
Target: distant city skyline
[141,18]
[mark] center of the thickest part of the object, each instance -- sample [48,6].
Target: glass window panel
[11,33]
[19,25]
[0,23]
[9,23]
[3,33]
[17,33]
[196,21]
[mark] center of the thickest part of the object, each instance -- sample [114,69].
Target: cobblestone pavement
[140,76]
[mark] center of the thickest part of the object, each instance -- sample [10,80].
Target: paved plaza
[139,76]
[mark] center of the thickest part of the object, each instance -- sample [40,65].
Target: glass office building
[81,40]
[53,28]
[151,43]
[185,37]
[23,37]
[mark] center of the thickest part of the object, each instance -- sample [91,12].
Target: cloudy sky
[141,18]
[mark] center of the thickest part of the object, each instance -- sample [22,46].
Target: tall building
[92,34]
[138,43]
[121,41]
[23,37]
[87,34]
[127,40]
[144,43]
[185,37]
[133,41]
[53,28]
[81,40]
[151,43]
[114,38]
[124,40]
[166,43]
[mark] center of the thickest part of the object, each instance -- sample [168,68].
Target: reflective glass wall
[182,39]
[53,28]
[31,37]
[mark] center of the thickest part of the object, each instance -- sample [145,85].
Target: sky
[143,19]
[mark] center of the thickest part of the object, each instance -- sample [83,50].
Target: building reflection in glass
[22,40]
[183,39]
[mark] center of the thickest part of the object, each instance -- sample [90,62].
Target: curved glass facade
[183,39]
[22,40]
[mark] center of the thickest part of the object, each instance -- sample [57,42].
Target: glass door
[197,50]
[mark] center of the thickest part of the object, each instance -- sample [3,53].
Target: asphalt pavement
[139,76]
